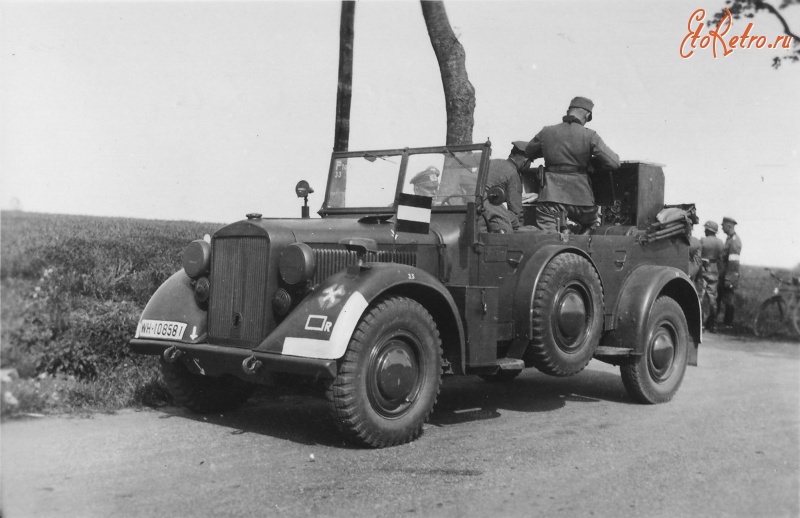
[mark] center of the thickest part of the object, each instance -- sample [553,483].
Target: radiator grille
[331,260]
[238,308]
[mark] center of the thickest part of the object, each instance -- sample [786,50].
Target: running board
[510,364]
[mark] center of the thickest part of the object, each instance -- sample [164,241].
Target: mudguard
[174,301]
[640,290]
[322,324]
[528,279]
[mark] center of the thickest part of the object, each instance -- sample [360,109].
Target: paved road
[727,445]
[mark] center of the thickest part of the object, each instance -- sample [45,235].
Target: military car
[389,291]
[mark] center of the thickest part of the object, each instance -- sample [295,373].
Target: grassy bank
[73,288]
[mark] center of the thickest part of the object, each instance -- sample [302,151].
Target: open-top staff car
[389,290]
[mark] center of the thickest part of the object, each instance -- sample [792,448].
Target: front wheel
[770,317]
[390,375]
[656,375]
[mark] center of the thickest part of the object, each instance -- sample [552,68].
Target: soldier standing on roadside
[711,248]
[729,270]
[567,149]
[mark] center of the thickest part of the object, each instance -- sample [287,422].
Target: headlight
[197,258]
[297,264]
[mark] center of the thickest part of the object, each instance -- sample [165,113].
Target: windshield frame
[404,153]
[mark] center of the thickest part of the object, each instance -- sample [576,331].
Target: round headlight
[297,264]
[197,258]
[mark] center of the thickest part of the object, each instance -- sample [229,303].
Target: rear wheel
[567,316]
[658,372]
[390,375]
[771,317]
[204,394]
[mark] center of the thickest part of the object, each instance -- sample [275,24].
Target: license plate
[160,329]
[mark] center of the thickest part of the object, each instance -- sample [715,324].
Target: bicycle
[781,310]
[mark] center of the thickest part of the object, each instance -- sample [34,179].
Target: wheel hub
[662,353]
[395,376]
[571,319]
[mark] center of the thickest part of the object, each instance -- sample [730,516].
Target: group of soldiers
[565,190]
[714,268]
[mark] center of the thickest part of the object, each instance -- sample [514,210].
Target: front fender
[528,279]
[639,291]
[322,324]
[174,301]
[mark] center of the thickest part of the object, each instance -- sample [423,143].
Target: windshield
[371,180]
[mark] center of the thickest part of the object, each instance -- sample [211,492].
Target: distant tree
[344,91]
[749,8]
[459,94]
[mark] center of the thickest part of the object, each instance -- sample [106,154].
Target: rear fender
[323,323]
[639,292]
[174,301]
[529,278]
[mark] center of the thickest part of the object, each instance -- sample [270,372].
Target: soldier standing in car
[729,271]
[567,149]
[711,248]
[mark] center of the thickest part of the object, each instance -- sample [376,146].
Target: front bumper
[215,360]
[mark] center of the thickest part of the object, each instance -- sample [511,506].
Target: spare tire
[566,317]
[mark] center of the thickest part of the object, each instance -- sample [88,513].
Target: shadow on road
[304,419]
[472,399]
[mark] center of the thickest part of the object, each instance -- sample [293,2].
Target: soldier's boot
[729,314]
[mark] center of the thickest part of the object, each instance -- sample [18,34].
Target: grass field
[73,288]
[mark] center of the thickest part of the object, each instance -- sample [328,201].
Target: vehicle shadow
[305,419]
[466,399]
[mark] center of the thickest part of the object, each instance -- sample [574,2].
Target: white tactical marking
[417,214]
[335,347]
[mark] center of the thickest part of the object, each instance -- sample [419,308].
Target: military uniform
[426,183]
[567,149]
[711,248]
[729,273]
[505,173]
[694,258]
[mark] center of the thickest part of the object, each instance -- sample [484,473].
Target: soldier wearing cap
[710,253]
[506,173]
[729,270]
[567,149]
[426,183]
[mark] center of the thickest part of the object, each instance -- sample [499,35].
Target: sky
[207,111]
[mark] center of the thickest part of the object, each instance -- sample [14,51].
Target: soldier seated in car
[426,183]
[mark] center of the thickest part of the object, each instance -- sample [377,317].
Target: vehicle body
[376,315]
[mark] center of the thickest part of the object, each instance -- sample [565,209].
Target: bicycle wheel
[794,318]
[771,317]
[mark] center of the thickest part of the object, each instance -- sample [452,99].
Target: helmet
[712,226]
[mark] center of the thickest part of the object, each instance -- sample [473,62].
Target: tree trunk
[459,94]
[344,92]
